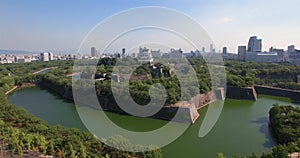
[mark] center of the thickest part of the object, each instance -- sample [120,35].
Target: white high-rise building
[51,56]
[44,56]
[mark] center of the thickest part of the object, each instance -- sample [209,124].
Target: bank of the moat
[186,110]
[241,129]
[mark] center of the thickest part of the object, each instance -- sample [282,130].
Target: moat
[241,129]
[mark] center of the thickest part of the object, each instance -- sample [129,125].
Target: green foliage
[285,122]
[243,74]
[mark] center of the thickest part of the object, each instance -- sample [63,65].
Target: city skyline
[151,46]
[55,25]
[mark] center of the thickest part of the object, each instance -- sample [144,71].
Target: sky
[62,25]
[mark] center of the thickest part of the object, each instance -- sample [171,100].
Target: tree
[279,152]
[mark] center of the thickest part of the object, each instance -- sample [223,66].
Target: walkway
[49,68]
[9,91]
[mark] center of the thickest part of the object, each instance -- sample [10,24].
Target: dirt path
[15,87]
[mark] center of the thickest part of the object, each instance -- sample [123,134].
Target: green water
[241,129]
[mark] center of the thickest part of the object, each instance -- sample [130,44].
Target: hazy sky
[39,25]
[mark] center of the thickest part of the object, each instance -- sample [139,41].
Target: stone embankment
[245,93]
[267,90]
[187,111]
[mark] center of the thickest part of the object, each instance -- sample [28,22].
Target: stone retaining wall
[246,93]
[266,90]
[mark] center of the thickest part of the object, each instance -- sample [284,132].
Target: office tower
[93,52]
[212,50]
[51,56]
[242,52]
[224,50]
[44,56]
[123,52]
[254,44]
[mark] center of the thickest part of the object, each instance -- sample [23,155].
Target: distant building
[224,50]
[156,54]
[51,57]
[195,53]
[250,56]
[133,55]
[229,56]
[165,55]
[212,49]
[20,59]
[144,55]
[242,53]
[203,49]
[293,55]
[176,53]
[291,48]
[117,55]
[268,57]
[254,44]
[44,56]
[281,54]
[123,53]
[93,52]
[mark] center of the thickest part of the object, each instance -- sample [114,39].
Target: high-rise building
[123,52]
[291,48]
[212,49]
[224,50]
[93,52]
[254,44]
[203,49]
[242,52]
[44,56]
[51,56]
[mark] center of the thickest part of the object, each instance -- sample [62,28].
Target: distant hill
[17,52]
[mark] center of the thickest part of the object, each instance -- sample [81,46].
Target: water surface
[241,129]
